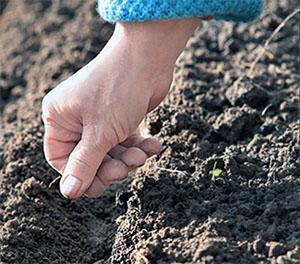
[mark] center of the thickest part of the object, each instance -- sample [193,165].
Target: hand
[92,119]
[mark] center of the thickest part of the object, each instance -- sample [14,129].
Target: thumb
[82,166]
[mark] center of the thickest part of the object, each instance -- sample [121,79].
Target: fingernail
[70,186]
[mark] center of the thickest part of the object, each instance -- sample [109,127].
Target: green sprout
[216,173]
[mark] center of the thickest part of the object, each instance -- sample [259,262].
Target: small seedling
[216,173]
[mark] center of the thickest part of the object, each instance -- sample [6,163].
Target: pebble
[276,249]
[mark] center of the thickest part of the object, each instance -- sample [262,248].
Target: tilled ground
[226,187]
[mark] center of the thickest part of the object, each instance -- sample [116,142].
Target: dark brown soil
[214,121]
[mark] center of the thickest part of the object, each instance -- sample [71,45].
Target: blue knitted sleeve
[142,10]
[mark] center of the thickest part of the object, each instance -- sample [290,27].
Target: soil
[225,188]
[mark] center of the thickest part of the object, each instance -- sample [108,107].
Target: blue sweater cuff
[142,10]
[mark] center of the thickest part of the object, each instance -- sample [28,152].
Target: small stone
[288,106]
[17,91]
[276,249]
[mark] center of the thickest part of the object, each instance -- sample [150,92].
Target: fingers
[96,189]
[79,161]
[132,141]
[57,153]
[117,151]
[120,161]
[150,145]
[116,168]
[110,171]
[58,143]
[134,157]
[82,166]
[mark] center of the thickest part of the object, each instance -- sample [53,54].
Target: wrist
[165,39]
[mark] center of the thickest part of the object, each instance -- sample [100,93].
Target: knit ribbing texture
[142,10]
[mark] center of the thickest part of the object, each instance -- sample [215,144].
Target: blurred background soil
[226,187]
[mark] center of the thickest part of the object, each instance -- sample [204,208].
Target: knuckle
[50,99]
[54,163]
[49,103]
[46,106]
[46,103]
[47,119]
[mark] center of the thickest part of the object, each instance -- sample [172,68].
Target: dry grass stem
[263,49]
